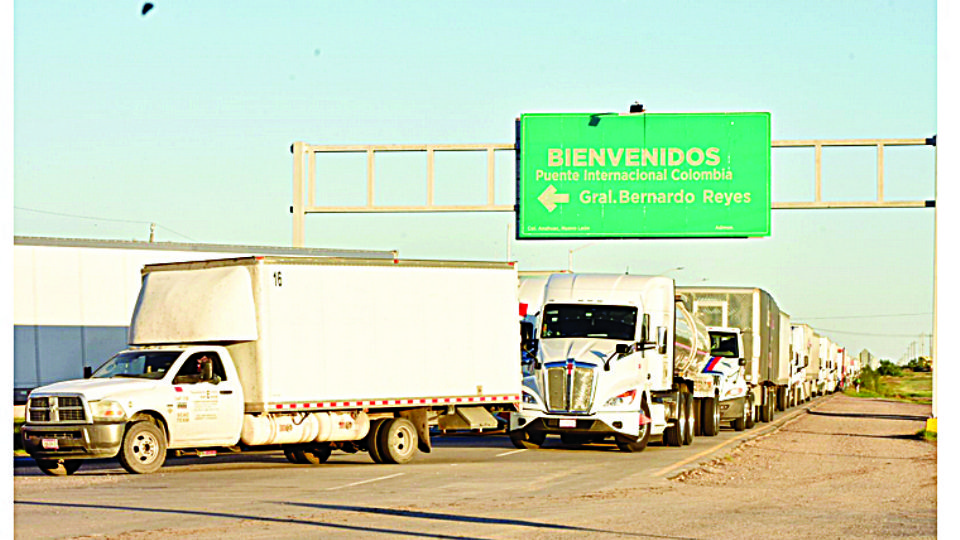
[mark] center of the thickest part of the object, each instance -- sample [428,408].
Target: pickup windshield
[139,364]
[575,321]
[724,344]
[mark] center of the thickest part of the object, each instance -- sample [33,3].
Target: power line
[102,219]
[866,334]
[865,316]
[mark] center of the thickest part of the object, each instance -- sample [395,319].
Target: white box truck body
[310,353]
[618,357]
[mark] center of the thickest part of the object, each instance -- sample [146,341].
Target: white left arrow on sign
[549,198]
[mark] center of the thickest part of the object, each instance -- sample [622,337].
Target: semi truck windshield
[724,344]
[141,364]
[575,320]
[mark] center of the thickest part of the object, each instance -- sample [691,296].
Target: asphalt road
[475,486]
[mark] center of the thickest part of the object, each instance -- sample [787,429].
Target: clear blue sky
[184,117]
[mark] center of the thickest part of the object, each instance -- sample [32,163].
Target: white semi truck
[618,357]
[308,354]
[726,364]
[756,314]
[806,351]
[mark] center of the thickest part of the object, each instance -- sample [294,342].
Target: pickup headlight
[108,410]
[625,398]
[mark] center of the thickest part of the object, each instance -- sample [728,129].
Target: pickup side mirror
[662,339]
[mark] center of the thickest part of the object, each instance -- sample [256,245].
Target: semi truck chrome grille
[557,388]
[57,409]
[570,387]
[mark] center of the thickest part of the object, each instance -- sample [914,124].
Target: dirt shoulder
[847,468]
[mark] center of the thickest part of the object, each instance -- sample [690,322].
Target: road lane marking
[511,452]
[761,431]
[366,481]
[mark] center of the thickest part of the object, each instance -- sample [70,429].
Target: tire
[710,419]
[698,414]
[673,435]
[397,441]
[144,448]
[769,408]
[781,399]
[740,424]
[640,443]
[690,426]
[527,440]
[370,441]
[751,419]
[59,467]
[316,454]
[294,454]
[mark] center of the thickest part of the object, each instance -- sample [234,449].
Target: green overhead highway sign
[643,175]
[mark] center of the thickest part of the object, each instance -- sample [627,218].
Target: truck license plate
[567,423]
[50,444]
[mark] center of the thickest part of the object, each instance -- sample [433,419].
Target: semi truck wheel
[397,441]
[751,412]
[673,435]
[689,427]
[698,412]
[294,455]
[710,419]
[144,448]
[781,399]
[527,440]
[627,445]
[317,454]
[370,441]
[59,467]
[740,424]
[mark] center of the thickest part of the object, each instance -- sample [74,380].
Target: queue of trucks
[316,354]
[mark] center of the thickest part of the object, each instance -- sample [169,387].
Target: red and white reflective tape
[391,402]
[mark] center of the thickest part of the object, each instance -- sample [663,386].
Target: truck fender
[419,419]
[153,417]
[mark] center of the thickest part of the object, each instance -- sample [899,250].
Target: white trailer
[72,298]
[313,354]
[617,357]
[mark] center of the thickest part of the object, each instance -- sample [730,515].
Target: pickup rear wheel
[144,448]
[397,441]
[59,467]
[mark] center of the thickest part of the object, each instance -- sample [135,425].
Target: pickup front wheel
[144,448]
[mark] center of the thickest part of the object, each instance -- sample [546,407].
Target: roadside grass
[910,387]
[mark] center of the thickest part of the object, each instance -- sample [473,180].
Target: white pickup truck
[311,354]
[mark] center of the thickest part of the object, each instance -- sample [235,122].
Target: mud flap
[419,419]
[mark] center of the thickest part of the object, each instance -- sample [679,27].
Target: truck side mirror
[623,348]
[662,339]
[743,361]
[645,329]
[87,372]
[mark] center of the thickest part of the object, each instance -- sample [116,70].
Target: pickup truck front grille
[54,409]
